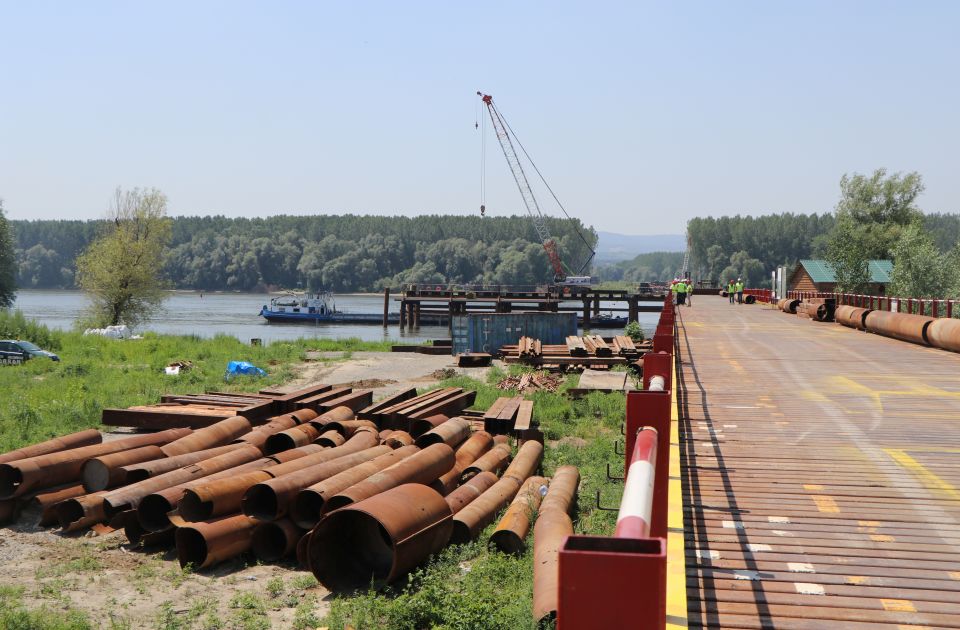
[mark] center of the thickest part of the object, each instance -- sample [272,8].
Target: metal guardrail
[935,307]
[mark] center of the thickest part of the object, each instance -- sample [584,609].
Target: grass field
[464,587]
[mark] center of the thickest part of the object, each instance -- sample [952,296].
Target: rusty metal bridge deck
[821,473]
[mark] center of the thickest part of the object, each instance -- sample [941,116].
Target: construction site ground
[99,575]
[821,468]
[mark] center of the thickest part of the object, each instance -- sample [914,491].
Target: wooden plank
[524,416]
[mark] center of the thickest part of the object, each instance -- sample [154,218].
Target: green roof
[821,271]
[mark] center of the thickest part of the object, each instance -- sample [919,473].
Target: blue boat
[317,308]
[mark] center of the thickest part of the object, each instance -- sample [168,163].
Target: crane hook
[483,210]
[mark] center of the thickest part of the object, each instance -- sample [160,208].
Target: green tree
[872,213]
[919,269]
[122,270]
[8,263]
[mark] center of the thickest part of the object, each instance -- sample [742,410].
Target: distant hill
[613,247]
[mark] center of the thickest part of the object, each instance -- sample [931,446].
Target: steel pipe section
[217,434]
[53,469]
[851,316]
[552,528]
[495,460]
[138,472]
[944,333]
[902,326]
[100,473]
[452,432]
[466,493]
[62,443]
[636,505]
[275,540]
[206,543]
[379,539]
[511,532]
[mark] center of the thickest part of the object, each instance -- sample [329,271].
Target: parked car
[16,352]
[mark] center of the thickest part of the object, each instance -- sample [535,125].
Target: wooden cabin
[818,275]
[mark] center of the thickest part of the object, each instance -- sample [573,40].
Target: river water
[237,314]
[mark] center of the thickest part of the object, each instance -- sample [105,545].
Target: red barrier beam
[634,518]
[652,409]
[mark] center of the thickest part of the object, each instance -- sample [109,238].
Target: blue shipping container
[488,332]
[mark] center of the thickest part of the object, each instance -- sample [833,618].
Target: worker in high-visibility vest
[681,292]
[731,291]
[739,288]
[689,295]
[673,289]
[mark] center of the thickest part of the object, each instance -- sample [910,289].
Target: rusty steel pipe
[379,539]
[80,512]
[383,435]
[271,499]
[350,427]
[511,532]
[462,496]
[452,432]
[902,326]
[398,439]
[467,453]
[470,521]
[944,333]
[303,555]
[308,508]
[501,439]
[526,462]
[54,469]
[206,500]
[422,425]
[331,439]
[206,543]
[851,316]
[217,434]
[62,443]
[128,497]
[47,501]
[337,414]
[275,540]
[495,460]
[422,468]
[300,435]
[100,473]
[258,437]
[145,470]
[552,528]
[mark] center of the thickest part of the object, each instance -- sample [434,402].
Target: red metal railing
[621,580]
[934,307]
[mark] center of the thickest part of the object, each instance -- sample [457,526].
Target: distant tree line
[336,252]
[728,247]
[649,267]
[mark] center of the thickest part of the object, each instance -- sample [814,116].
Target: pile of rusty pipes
[943,332]
[317,485]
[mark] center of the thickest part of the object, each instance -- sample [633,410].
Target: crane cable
[553,194]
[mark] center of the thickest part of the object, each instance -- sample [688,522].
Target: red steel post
[652,409]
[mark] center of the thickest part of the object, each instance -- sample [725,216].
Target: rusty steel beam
[462,496]
[62,443]
[100,473]
[511,532]
[217,434]
[378,540]
[271,499]
[53,469]
[309,506]
[204,544]
[421,468]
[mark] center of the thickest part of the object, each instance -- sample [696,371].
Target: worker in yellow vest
[731,291]
[739,288]
[681,292]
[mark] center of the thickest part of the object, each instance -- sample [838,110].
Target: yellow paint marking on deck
[882,538]
[812,487]
[927,478]
[825,503]
[955,575]
[869,523]
[898,605]
[856,580]
[676,556]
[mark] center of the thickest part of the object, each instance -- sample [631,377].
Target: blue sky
[641,115]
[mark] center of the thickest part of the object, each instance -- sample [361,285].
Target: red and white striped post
[636,506]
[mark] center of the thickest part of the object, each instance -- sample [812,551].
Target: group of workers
[682,289]
[735,290]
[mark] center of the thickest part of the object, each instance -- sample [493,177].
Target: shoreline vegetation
[465,586]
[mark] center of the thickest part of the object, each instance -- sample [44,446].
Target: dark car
[16,352]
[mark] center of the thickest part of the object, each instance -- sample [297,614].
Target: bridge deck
[821,473]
